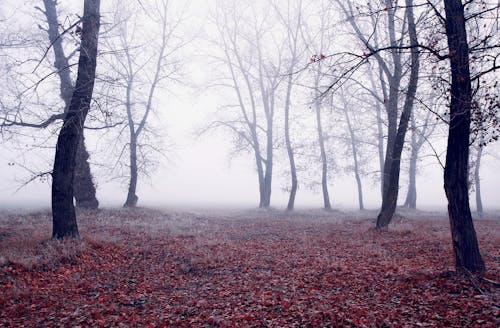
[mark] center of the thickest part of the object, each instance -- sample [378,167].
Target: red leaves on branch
[315,58]
[254,270]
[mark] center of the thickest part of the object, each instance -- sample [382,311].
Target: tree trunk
[390,198]
[324,160]
[411,196]
[289,148]
[393,101]
[380,132]
[63,212]
[354,157]
[83,186]
[465,245]
[477,178]
[132,187]
[268,176]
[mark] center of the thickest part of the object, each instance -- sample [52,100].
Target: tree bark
[63,210]
[465,245]
[84,188]
[390,198]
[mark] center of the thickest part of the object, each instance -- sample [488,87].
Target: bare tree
[419,136]
[141,59]
[254,77]
[393,71]
[353,139]
[318,41]
[85,191]
[63,211]
[291,19]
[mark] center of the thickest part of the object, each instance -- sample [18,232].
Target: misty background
[193,168]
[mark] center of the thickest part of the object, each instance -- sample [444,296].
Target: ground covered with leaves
[151,268]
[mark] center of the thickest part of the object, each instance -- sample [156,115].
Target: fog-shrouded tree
[400,26]
[346,109]
[420,131]
[143,51]
[63,211]
[318,38]
[290,15]
[252,65]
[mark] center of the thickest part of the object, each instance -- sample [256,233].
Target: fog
[204,170]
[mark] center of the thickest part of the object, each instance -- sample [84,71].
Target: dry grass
[25,238]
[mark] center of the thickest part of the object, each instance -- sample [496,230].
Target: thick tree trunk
[464,238]
[83,186]
[63,211]
[390,198]
[324,161]
[411,195]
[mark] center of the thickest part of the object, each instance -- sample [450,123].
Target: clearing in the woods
[243,268]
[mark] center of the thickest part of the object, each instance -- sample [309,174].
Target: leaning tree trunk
[390,198]
[83,187]
[465,245]
[63,211]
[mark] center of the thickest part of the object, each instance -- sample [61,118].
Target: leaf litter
[159,268]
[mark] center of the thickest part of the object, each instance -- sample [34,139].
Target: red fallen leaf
[259,273]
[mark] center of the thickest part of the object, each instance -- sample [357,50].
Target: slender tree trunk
[380,134]
[390,198]
[380,145]
[324,160]
[289,148]
[477,178]
[132,187]
[465,245]
[411,196]
[84,188]
[268,176]
[354,149]
[132,198]
[63,212]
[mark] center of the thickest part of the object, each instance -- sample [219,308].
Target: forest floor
[157,268]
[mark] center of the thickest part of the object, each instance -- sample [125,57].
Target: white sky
[201,172]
